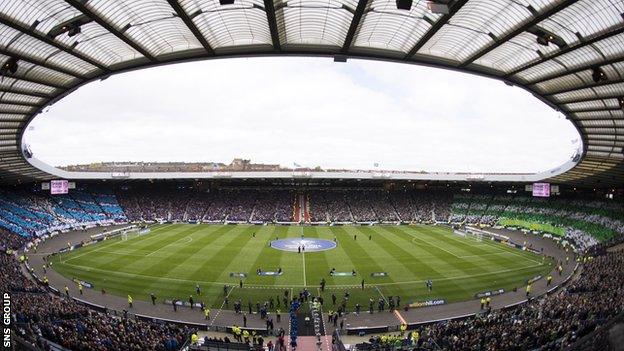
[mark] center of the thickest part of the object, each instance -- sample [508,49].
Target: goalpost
[124,236]
[133,233]
[468,233]
[475,234]
[478,236]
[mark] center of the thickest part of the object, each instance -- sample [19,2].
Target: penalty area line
[189,236]
[425,243]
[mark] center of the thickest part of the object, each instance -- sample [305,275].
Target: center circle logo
[306,245]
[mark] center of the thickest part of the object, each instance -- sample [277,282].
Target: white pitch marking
[89,269]
[102,246]
[382,295]
[95,250]
[221,308]
[173,243]
[305,283]
[488,254]
[432,245]
[304,273]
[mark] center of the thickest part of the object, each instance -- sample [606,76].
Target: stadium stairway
[297,209]
[306,327]
[306,209]
[308,343]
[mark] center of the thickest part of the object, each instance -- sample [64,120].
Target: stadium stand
[568,54]
[42,319]
[30,213]
[555,321]
[584,222]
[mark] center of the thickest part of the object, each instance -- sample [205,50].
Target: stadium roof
[569,54]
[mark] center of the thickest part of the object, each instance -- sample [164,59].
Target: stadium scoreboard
[541,189]
[58,187]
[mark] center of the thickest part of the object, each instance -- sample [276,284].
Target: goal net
[133,233]
[469,233]
[475,234]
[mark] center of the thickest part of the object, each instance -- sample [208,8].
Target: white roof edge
[379,175]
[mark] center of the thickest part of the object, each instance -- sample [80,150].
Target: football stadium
[188,255]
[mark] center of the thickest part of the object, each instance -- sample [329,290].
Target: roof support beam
[191,26]
[600,134]
[598,119]
[51,42]
[568,72]
[6,108]
[587,86]
[500,41]
[435,28]
[16,103]
[11,119]
[583,43]
[19,91]
[598,138]
[594,98]
[600,109]
[602,142]
[269,9]
[78,5]
[38,62]
[36,81]
[355,22]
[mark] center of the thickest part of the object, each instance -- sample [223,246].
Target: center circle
[303,244]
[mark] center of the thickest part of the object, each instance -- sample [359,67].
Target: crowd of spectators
[382,205]
[274,206]
[10,240]
[197,206]
[378,206]
[361,205]
[329,206]
[37,212]
[553,322]
[40,318]
[583,222]
[403,205]
[186,204]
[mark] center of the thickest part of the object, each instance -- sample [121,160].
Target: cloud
[311,111]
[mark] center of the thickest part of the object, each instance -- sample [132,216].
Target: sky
[308,111]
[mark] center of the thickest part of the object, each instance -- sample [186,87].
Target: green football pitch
[173,258]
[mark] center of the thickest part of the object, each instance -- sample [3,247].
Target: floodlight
[9,66]
[598,74]
[545,39]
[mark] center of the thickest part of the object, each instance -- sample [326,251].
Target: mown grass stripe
[429,272]
[444,258]
[215,250]
[128,263]
[473,249]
